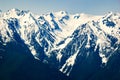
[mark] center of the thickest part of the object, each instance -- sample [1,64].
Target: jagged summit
[15,13]
[18,10]
[14,9]
[62,13]
[65,41]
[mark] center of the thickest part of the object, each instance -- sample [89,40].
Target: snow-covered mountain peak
[61,13]
[61,38]
[14,10]
[110,24]
[83,14]
[18,11]
[14,13]
[111,15]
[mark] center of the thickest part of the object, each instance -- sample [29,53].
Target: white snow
[104,59]
[88,42]
[70,61]
[30,26]
[65,43]
[33,51]
[59,56]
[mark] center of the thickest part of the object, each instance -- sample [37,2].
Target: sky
[96,7]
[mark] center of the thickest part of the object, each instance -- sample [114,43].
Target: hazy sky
[71,6]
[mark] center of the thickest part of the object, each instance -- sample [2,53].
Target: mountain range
[60,45]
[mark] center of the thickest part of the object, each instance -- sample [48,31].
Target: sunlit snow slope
[64,40]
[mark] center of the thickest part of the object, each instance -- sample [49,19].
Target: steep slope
[79,43]
[17,63]
[90,49]
[40,32]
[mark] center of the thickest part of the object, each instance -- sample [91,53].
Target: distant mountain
[82,46]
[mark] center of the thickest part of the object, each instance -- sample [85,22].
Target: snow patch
[59,56]
[65,43]
[88,42]
[33,51]
[104,59]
